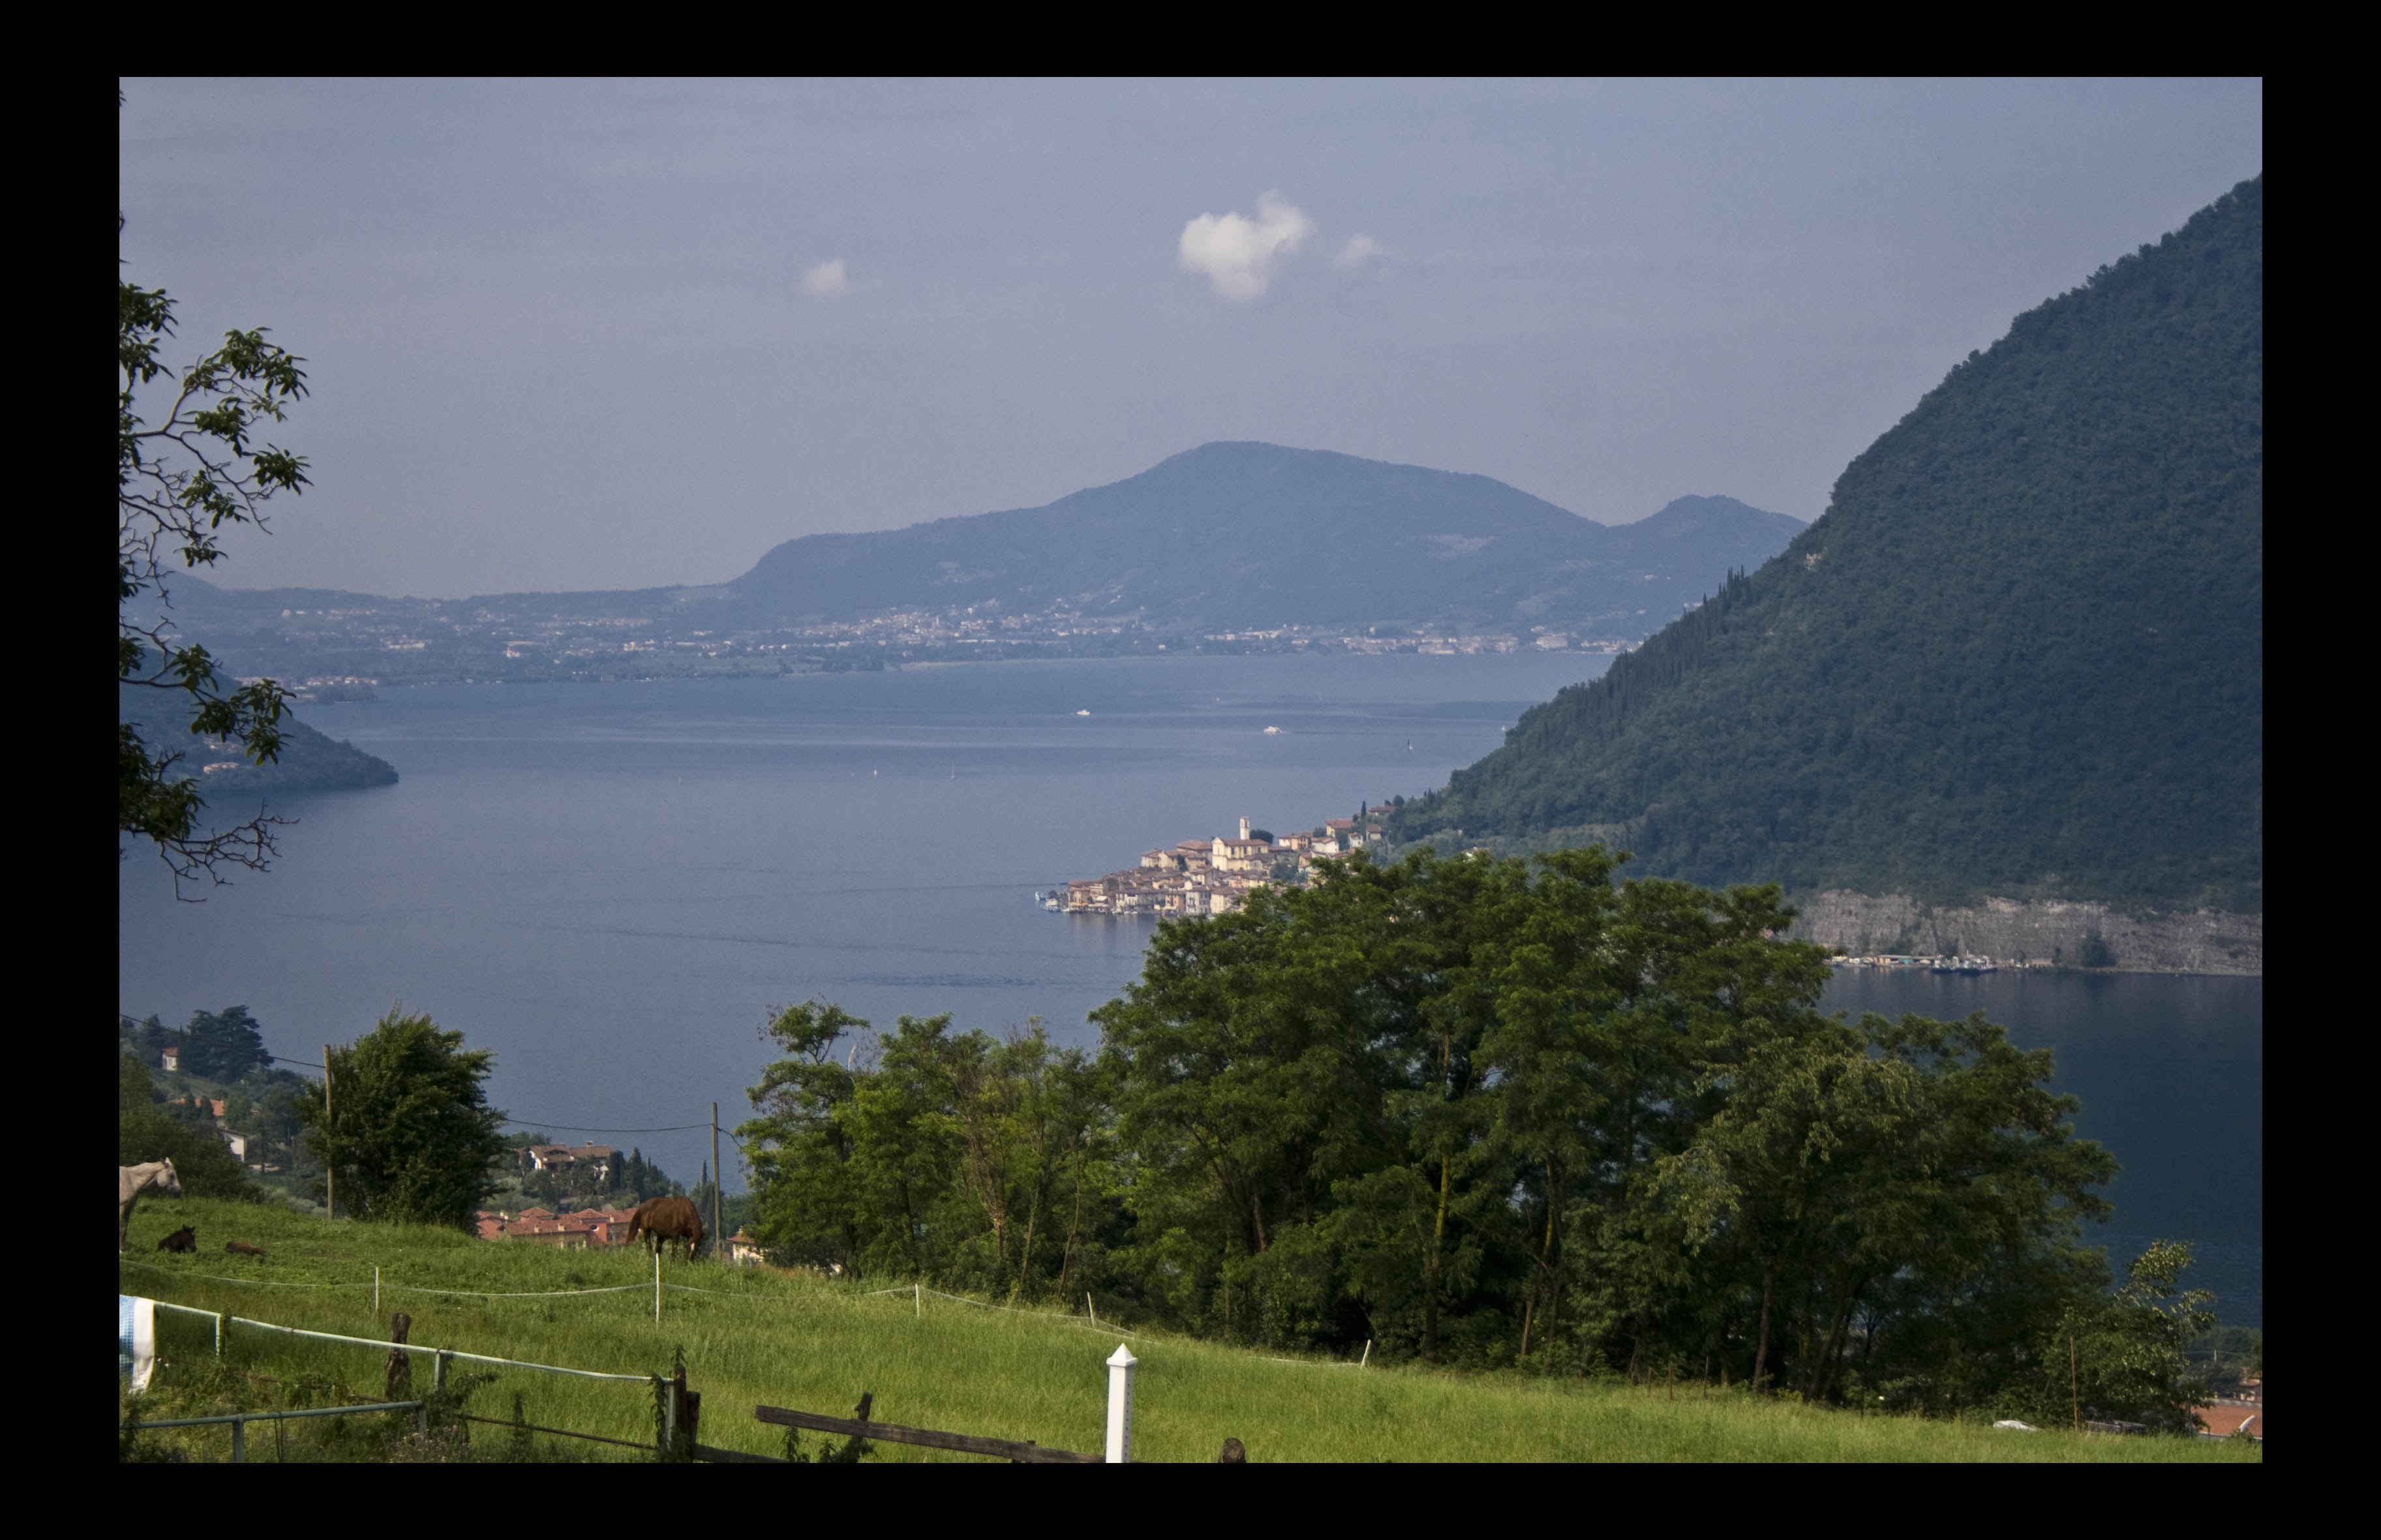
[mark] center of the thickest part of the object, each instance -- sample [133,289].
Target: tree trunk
[1074,1226]
[1430,1269]
[1823,1370]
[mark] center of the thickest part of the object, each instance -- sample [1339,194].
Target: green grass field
[816,1345]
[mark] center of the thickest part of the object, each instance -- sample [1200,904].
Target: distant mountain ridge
[1242,535]
[2020,654]
[1221,540]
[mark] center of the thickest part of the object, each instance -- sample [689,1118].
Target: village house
[589,1157]
[1242,855]
[580,1230]
[743,1251]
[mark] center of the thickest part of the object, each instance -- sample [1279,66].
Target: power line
[577,1127]
[522,1122]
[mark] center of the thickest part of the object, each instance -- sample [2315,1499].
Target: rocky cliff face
[2209,941]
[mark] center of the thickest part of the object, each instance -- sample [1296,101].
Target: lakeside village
[1216,876]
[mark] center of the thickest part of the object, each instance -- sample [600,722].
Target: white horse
[130,1180]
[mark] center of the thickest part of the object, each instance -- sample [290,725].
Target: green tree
[182,473]
[223,1044]
[2120,1355]
[974,1162]
[409,1136]
[1901,1198]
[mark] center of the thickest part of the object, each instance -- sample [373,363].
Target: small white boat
[1082,714]
[1271,730]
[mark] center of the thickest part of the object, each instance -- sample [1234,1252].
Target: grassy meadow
[761,1337]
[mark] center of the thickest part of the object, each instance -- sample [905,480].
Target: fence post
[218,1333]
[239,1441]
[397,1376]
[680,1410]
[1120,1368]
[657,1281]
[375,1289]
[438,1371]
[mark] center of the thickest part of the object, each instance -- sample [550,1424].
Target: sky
[595,334]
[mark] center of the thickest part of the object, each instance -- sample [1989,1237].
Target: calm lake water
[611,885]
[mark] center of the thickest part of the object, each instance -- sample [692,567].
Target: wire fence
[379,1344]
[218,1278]
[918,1292]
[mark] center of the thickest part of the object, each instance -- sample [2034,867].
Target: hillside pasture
[757,1337]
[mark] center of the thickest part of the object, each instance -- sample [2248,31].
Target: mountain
[2020,654]
[1241,535]
[1226,538]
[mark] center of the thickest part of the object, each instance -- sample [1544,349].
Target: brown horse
[663,1220]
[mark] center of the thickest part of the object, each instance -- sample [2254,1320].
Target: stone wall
[2209,941]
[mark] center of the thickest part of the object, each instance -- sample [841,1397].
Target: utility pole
[330,1140]
[718,1205]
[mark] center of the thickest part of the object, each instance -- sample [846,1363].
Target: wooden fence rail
[1027,1453]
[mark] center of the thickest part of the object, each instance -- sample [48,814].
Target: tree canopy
[183,471]
[223,1044]
[1478,1111]
[409,1136]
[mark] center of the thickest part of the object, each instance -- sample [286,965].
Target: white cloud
[1237,254]
[826,280]
[1359,250]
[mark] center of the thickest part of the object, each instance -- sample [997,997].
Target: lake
[612,885]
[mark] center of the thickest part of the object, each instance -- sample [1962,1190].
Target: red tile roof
[2226,1420]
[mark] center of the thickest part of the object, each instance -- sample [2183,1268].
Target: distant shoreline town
[344,650]
[1216,875]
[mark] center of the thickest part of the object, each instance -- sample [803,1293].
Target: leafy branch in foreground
[180,481]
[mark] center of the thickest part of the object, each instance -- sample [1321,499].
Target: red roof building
[2227,1418]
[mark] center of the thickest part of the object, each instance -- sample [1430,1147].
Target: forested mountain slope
[2020,654]
[310,760]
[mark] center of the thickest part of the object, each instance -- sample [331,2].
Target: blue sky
[592,334]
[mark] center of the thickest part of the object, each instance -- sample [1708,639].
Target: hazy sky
[596,335]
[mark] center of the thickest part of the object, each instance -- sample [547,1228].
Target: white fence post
[1120,1367]
[657,1283]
